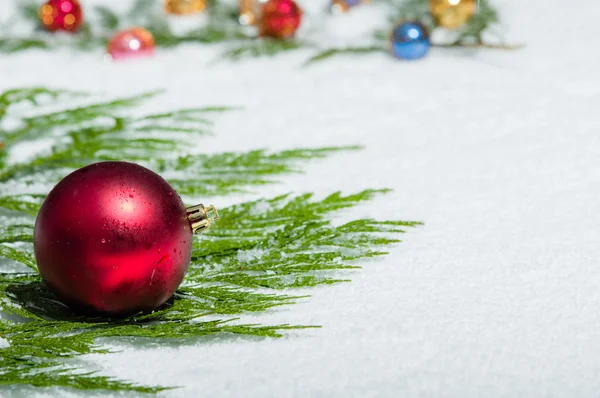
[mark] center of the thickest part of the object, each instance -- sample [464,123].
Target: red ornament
[131,43]
[115,238]
[61,15]
[280,19]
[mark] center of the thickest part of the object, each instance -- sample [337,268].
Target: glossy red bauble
[280,19]
[114,238]
[61,15]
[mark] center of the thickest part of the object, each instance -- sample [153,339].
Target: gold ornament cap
[184,7]
[202,217]
[452,14]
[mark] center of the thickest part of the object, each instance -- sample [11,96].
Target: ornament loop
[202,217]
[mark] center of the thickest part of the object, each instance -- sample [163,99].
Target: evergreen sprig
[248,263]
[222,27]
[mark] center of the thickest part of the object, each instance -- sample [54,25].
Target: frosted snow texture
[497,152]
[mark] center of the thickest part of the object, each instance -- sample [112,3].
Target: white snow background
[498,152]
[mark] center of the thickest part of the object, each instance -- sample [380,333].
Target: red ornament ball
[113,238]
[131,43]
[280,19]
[61,15]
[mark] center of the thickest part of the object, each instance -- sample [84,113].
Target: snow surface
[497,152]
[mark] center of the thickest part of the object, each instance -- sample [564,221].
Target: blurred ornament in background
[247,12]
[131,43]
[184,7]
[62,15]
[341,6]
[280,19]
[452,14]
[410,40]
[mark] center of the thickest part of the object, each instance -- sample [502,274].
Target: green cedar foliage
[250,262]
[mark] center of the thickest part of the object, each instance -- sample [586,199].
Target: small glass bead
[410,40]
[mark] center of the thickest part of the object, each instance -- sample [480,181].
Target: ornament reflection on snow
[131,43]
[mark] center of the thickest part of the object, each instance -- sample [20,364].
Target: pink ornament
[131,43]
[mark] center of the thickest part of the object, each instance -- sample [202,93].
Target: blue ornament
[410,40]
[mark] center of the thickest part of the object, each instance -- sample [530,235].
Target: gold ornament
[452,14]
[184,7]
[341,6]
[248,12]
